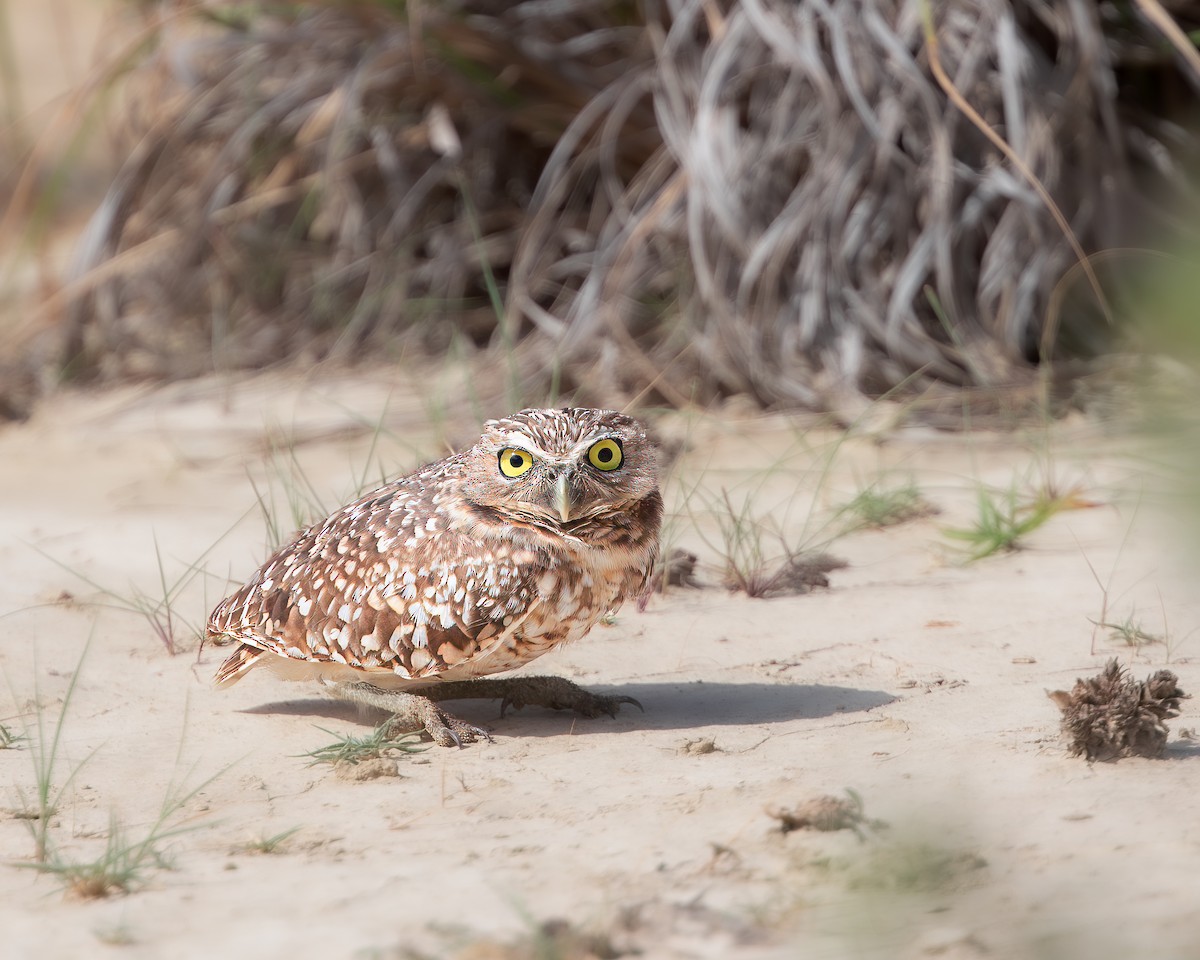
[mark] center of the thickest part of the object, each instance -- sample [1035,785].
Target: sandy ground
[914,681]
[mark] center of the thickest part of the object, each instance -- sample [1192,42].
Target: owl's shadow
[668,706]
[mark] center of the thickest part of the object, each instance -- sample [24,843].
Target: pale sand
[917,682]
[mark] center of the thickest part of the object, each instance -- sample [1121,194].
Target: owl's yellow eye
[606,455]
[515,462]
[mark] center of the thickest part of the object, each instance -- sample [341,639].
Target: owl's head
[561,467]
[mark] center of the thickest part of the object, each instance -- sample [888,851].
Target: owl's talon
[448,731]
[610,705]
[412,713]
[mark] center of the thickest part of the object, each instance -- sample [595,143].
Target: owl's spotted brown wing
[381,584]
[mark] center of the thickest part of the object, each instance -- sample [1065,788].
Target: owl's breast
[571,599]
[530,589]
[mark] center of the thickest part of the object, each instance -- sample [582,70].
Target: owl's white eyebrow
[515,438]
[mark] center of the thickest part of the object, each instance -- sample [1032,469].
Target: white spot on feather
[398,635]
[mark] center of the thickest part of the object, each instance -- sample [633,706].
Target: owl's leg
[412,712]
[556,693]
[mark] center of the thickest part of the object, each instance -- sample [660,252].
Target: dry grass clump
[1109,716]
[328,181]
[769,197]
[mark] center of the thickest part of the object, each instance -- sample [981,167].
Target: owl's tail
[243,660]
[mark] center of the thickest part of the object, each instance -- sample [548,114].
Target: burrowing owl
[475,564]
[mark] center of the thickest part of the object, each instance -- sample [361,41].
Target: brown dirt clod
[371,769]
[678,569]
[798,574]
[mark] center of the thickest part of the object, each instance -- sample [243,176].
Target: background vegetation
[797,201]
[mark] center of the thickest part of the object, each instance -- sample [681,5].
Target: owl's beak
[562,496]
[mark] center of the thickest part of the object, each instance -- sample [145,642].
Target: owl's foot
[411,712]
[555,693]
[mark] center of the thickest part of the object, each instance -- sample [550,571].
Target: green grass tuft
[266,845]
[1129,631]
[120,867]
[1005,518]
[125,860]
[38,811]
[347,748]
[877,506]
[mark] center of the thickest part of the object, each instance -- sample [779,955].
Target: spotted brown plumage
[470,566]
